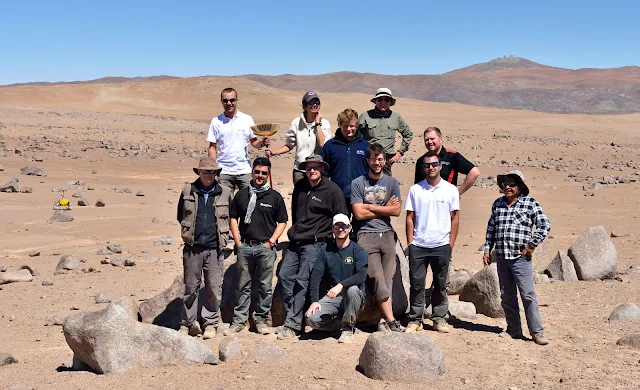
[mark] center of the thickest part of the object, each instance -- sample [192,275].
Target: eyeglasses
[313,168]
[341,226]
[433,164]
[384,99]
[259,172]
[510,183]
[207,172]
[233,100]
[314,101]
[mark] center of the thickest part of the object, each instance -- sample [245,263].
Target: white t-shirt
[302,136]
[232,137]
[432,206]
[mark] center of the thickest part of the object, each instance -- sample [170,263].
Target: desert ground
[147,137]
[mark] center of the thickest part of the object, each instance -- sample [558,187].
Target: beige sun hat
[515,174]
[383,92]
[208,164]
[313,158]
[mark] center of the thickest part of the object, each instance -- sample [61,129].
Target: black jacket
[206,234]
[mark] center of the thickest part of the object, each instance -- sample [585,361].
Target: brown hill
[506,82]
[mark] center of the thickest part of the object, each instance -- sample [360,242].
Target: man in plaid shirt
[510,232]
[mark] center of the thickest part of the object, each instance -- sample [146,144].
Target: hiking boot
[262,328]
[209,333]
[192,330]
[413,327]
[233,329]
[383,326]
[346,335]
[540,338]
[395,326]
[286,333]
[441,327]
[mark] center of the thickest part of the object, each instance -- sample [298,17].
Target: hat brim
[393,101]
[303,165]
[197,170]
[524,188]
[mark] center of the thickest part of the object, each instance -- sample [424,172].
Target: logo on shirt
[361,152]
[265,205]
[348,260]
[316,199]
[375,194]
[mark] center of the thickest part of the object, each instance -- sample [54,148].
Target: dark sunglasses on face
[384,99]
[510,183]
[314,101]
[340,226]
[207,172]
[313,168]
[232,100]
[259,172]
[434,164]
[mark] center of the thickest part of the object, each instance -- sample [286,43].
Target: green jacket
[381,128]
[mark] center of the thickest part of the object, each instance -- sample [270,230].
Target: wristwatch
[317,125]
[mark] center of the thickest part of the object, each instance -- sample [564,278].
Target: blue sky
[81,40]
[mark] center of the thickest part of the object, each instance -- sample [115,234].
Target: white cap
[341,218]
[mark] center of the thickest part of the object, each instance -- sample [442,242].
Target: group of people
[342,245]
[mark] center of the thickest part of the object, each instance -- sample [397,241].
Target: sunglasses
[313,168]
[340,226]
[259,172]
[433,164]
[233,100]
[314,101]
[384,99]
[207,172]
[510,183]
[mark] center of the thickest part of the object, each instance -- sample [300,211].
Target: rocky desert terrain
[132,146]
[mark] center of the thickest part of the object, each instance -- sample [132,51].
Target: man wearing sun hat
[510,233]
[203,213]
[381,124]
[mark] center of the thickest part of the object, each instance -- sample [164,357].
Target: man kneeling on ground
[344,264]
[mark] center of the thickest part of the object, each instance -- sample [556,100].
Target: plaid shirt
[510,229]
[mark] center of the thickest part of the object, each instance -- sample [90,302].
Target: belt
[253,242]
[314,240]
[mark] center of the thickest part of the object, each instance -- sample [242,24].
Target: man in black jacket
[314,202]
[343,264]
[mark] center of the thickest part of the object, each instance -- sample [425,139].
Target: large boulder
[164,308]
[23,275]
[61,216]
[483,290]
[594,255]
[111,340]
[625,312]
[67,263]
[401,357]
[562,268]
[457,280]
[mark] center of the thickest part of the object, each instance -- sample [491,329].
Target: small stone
[100,203]
[94,172]
[12,317]
[103,252]
[77,194]
[38,159]
[61,216]
[589,193]
[139,193]
[171,201]
[101,298]
[163,240]
[33,271]
[26,190]
[126,190]
[114,248]
[90,187]
[118,261]
[34,253]
[47,282]
[52,320]
[83,202]
[129,262]
[67,263]
[156,220]
[6,358]
[631,340]
[3,268]
[229,349]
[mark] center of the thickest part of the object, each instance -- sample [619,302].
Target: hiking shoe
[412,327]
[184,330]
[383,326]
[441,327]
[286,333]
[209,333]
[540,338]
[395,326]
[192,330]
[262,328]
[233,329]
[346,335]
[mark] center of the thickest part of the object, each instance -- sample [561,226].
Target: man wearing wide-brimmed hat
[203,213]
[381,124]
[510,233]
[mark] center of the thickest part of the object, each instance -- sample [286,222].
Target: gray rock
[118,261]
[165,308]
[462,309]
[129,262]
[589,193]
[26,190]
[126,190]
[61,216]
[83,202]
[34,253]
[229,349]
[401,357]
[6,358]
[630,340]
[594,255]
[101,298]
[94,172]
[156,220]
[163,240]
[90,187]
[103,252]
[111,340]
[100,203]
[11,186]
[266,354]
[562,268]
[47,282]
[114,248]
[34,272]
[139,193]
[483,290]
[23,275]
[77,194]
[540,278]
[3,268]
[625,312]
[67,263]
[457,281]
[32,171]
[53,320]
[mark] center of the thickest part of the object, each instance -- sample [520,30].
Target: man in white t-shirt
[229,136]
[432,227]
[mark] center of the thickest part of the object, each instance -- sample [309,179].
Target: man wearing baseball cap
[343,266]
[381,124]
[510,233]
[203,213]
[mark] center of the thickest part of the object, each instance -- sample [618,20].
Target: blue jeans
[517,275]
[251,258]
[294,276]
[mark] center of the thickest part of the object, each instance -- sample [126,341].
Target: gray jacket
[377,127]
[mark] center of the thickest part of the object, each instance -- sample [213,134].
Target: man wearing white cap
[343,265]
[381,124]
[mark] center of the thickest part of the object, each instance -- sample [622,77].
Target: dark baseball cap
[309,96]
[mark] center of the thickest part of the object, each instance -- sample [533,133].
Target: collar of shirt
[429,186]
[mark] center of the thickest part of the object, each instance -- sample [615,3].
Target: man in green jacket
[380,125]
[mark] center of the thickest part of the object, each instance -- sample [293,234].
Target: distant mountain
[505,82]
[103,80]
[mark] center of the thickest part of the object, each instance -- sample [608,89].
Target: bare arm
[235,231]
[455,223]
[409,226]
[370,211]
[471,178]
[257,143]
[320,138]
[280,150]
[212,151]
[278,232]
